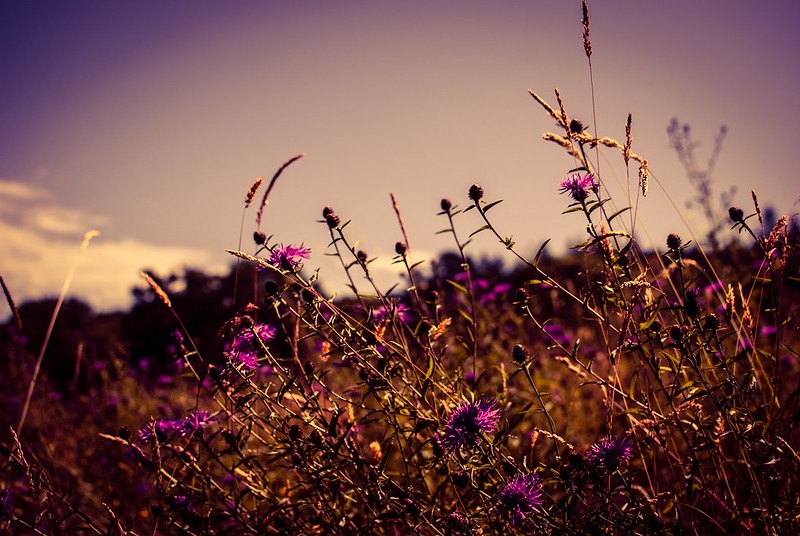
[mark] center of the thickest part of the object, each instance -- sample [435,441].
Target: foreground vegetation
[610,391]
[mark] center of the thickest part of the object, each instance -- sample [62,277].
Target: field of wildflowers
[610,391]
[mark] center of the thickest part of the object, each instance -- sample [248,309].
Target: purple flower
[288,257]
[578,186]
[399,312]
[520,497]
[465,425]
[247,343]
[610,453]
[167,429]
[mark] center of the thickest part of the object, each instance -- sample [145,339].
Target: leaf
[573,209]
[539,253]
[482,228]
[492,204]
[617,213]
[462,288]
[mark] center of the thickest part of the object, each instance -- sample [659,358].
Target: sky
[148,121]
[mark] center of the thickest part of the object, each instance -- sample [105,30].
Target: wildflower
[176,428]
[457,522]
[288,257]
[578,186]
[736,214]
[467,422]
[475,192]
[247,343]
[521,496]
[610,453]
[400,312]
[674,242]
[520,354]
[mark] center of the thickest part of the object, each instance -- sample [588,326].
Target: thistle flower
[176,428]
[288,257]
[610,453]
[400,311]
[578,186]
[467,422]
[521,496]
[247,343]
[475,192]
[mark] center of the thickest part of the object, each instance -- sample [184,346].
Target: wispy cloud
[41,240]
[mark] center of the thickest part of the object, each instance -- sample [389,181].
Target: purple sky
[149,120]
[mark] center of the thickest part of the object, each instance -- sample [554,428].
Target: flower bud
[475,192]
[259,238]
[332,220]
[400,248]
[674,241]
[736,214]
[520,354]
[446,205]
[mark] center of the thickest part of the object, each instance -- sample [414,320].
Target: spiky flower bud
[400,248]
[676,333]
[259,238]
[332,220]
[575,126]
[475,192]
[520,354]
[712,322]
[446,205]
[674,241]
[736,214]
[327,211]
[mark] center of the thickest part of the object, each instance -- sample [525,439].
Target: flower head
[467,422]
[578,186]
[247,344]
[167,429]
[400,311]
[288,257]
[610,453]
[521,496]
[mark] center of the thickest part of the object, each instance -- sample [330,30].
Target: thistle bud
[520,354]
[674,241]
[332,220]
[446,205]
[736,214]
[400,248]
[475,192]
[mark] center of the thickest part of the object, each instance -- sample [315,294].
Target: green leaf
[617,213]
[482,228]
[492,204]
[539,253]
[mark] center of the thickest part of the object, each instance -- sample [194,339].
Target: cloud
[41,241]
